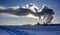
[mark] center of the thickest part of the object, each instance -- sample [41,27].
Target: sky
[6,20]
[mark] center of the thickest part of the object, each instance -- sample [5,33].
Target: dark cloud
[9,10]
[19,11]
[47,13]
[25,11]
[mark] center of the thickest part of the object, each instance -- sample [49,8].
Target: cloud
[47,12]
[9,15]
[16,11]
[15,7]
[2,7]
[28,11]
[32,16]
[32,7]
[20,11]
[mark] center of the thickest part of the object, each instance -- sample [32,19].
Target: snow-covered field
[29,30]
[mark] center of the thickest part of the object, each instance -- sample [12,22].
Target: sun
[32,16]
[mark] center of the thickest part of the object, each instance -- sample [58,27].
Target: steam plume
[45,14]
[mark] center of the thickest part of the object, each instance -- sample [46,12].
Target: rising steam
[45,14]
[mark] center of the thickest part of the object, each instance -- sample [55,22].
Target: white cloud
[45,6]
[2,7]
[9,15]
[15,7]
[31,7]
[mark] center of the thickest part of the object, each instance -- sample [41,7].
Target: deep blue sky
[55,4]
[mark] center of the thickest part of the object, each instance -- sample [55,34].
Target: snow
[29,30]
